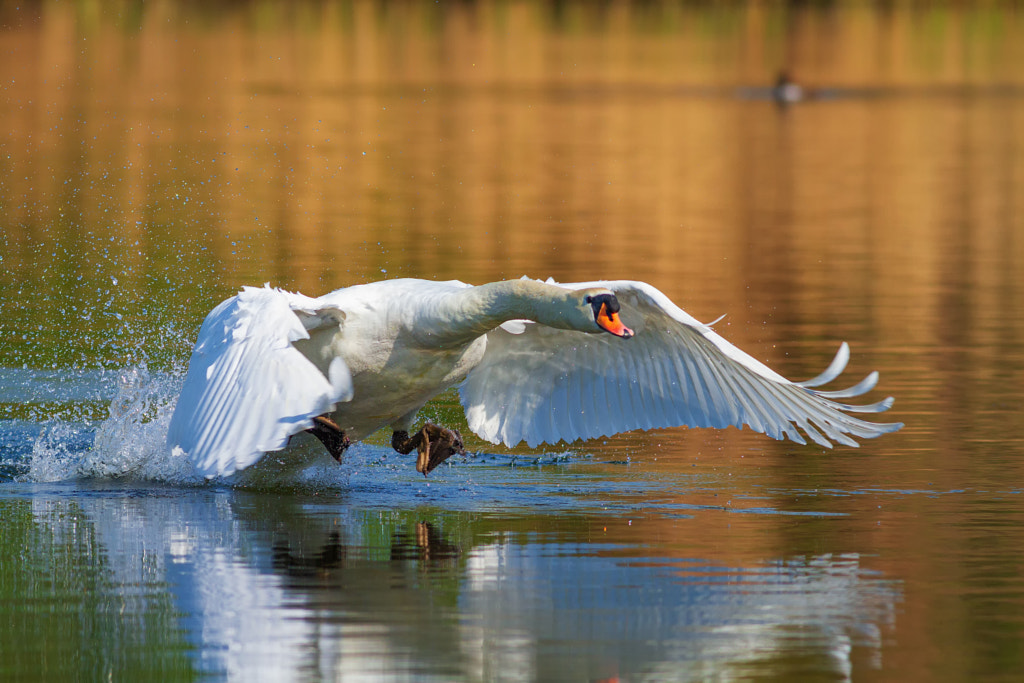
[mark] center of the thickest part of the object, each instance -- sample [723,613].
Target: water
[156,157]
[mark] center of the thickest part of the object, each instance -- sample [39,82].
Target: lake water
[155,157]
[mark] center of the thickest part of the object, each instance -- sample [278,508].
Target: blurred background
[184,149]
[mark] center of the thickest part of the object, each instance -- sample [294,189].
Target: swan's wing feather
[834,369]
[862,387]
[248,389]
[545,385]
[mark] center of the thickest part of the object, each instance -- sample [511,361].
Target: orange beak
[610,322]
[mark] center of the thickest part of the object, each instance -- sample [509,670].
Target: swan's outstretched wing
[247,388]
[546,385]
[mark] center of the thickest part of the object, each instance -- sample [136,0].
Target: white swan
[534,361]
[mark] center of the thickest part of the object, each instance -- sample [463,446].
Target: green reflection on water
[61,616]
[77,297]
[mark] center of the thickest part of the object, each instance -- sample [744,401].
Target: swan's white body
[529,360]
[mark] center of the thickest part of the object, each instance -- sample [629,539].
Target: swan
[533,361]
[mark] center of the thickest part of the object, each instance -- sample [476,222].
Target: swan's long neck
[469,313]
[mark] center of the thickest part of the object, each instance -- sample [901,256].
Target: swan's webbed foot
[330,435]
[434,445]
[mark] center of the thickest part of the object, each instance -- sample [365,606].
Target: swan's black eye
[608,300]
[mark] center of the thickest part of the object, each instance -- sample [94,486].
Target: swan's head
[604,307]
[594,309]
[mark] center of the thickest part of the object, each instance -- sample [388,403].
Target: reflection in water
[270,588]
[170,158]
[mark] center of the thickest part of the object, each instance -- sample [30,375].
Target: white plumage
[531,362]
[248,389]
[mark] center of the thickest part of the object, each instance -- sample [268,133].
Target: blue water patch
[30,385]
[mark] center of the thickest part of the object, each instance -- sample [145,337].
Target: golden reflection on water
[316,146]
[320,145]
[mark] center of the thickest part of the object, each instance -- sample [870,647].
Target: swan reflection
[266,587]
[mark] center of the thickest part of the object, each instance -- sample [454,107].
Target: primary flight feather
[534,361]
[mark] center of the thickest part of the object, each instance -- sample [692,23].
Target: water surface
[156,157]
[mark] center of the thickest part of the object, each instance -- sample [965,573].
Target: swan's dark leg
[330,435]
[434,445]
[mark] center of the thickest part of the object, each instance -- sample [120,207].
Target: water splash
[130,444]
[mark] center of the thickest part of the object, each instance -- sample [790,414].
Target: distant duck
[533,361]
[786,91]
